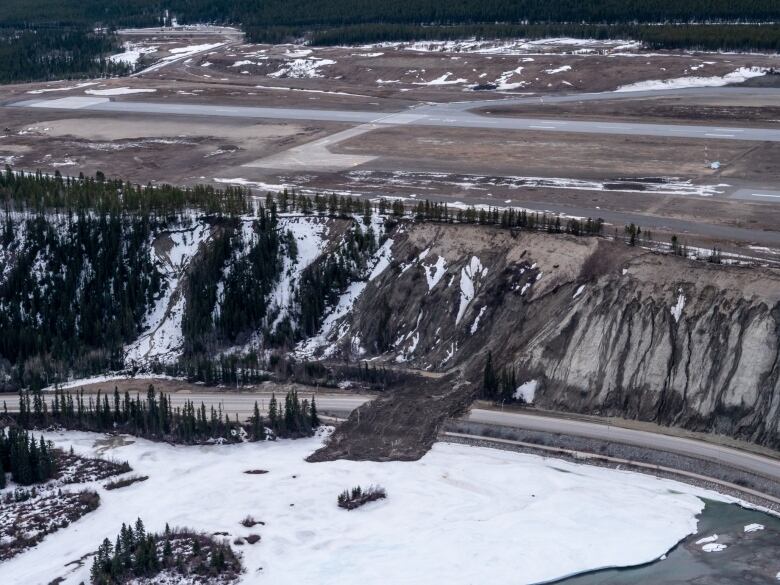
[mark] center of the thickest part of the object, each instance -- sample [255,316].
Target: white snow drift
[737,76]
[469,277]
[118,91]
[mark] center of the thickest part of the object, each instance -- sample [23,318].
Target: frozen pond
[460,515]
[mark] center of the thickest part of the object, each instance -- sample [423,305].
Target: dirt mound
[400,425]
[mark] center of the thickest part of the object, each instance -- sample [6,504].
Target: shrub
[120,483]
[357,497]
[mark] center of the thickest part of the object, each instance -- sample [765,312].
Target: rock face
[603,328]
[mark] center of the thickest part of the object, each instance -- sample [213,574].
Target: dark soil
[400,425]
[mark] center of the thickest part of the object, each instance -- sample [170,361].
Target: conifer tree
[314,418]
[273,415]
[258,429]
[489,381]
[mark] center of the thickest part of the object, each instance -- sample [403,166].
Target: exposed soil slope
[603,328]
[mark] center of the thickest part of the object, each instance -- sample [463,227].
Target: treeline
[74,290]
[152,417]
[139,555]
[361,21]
[705,37]
[27,460]
[344,12]
[155,418]
[225,370]
[508,218]
[36,192]
[312,13]
[322,204]
[50,54]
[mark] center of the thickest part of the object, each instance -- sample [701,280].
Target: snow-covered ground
[333,329]
[460,515]
[311,239]
[181,53]
[736,76]
[306,68]
[162,338]
[132,53]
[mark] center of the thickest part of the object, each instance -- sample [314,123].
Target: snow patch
[443,80]
[132,54]
[118,91]
[678,308]
[475,325]
[738,76]
[301,68]
[468,277]
[435,272]
[526,391]
[383,258]
[502,83]
[707,539]
[48,89]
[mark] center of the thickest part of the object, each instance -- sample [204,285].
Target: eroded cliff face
[601,327]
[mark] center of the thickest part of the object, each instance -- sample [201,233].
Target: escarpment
[601,327]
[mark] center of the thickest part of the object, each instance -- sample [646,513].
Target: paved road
[753,463]
[447,115]
[712,92]
[242,404]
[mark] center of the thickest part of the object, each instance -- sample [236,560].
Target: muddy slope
[603,328]
[400,425]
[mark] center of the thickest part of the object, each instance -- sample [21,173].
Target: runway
[455,115]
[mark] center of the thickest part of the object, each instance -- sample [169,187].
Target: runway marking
[765,195]
[446,118]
